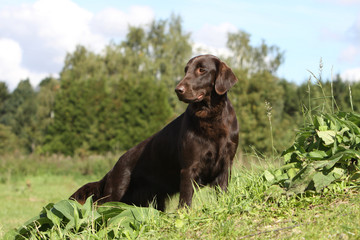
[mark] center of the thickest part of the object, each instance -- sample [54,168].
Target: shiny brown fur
[197,147]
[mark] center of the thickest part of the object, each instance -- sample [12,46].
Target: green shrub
[325,151]
[67,219]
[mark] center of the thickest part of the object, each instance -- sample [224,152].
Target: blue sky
[36,34]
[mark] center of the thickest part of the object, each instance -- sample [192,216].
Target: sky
[35,35]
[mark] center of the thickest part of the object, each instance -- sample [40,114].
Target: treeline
[108,102]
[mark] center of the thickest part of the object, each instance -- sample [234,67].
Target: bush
[68,218]
[325,151]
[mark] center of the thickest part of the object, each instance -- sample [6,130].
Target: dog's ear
[225,79]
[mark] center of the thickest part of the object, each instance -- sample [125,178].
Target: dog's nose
[180,89]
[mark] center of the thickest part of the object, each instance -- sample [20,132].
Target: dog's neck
[209,108]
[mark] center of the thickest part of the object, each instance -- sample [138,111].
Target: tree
[19,113]
[255,67]
[253,59]
[45,99]
[113,100]
[145,110]
[161,52]
[8,140]
[4,94]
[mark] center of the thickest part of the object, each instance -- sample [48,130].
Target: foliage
[246,210]
[324,152]
[44,117]
[111,220]
[113,101]
[4,94]
[253,59]
[19,113]
[8,140]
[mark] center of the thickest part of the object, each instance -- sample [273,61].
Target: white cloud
[214,35]
[41,33]
[10,64]
[351,74]
[114,23]
[199,49]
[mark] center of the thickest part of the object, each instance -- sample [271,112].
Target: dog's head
[203,75]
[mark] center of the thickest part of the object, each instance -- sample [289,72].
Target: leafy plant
[68,217]
[324,152]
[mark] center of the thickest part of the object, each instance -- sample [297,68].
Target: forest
[110,101]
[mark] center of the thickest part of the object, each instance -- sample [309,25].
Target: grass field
[245,211]
[23,198]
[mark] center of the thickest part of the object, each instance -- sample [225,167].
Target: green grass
[29,182]
[245,211]
[23,198]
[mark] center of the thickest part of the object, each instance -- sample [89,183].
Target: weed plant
[326,150]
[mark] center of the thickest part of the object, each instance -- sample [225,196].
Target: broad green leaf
[292,172]
[269,176]
[327,136]
[282,177]
[278,173]
[111,205]
[54,216]
[327,164]
[66,207]
[87,210]
[351,154]
[133,215]
[76,220]
[338,172]
[323,128]
[321,180]
[288,166]
[317,154]
[302,180]
[124,220]
[287,156]
[335,123]
[319,121]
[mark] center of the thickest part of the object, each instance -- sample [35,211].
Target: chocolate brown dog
[197,147]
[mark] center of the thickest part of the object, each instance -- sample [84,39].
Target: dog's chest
[214,131]
[207,151]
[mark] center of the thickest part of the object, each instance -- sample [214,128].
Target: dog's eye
[201,70]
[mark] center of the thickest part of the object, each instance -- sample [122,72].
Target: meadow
[247,210]
[29,182]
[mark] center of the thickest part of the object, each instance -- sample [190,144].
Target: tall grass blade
[351,100]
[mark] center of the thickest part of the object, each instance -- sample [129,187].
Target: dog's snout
[180,89]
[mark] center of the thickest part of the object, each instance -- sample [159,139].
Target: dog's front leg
[186,187]
[223,179]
